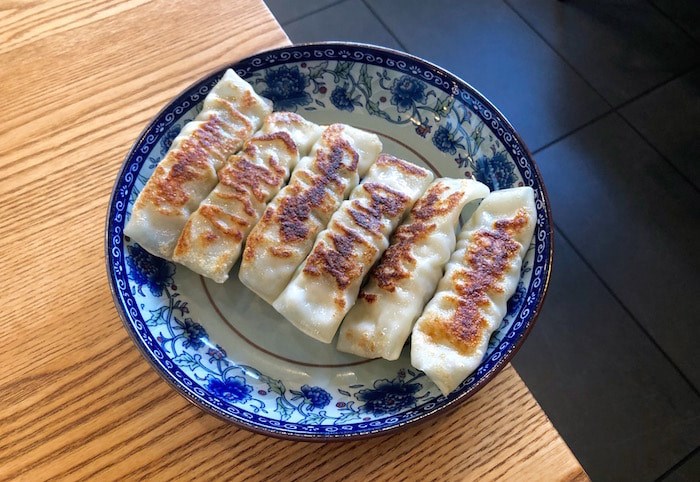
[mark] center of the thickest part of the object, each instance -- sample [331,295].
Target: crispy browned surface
[401,165]
[250,179]
[340,258]
[234,122]
[350,252]
[383,202]
[430,205]
[292,214]
[191,161]
[286,118]
[397,263]
[488,256]
[368,297]
[283,140]
[244,182]
[213,214]
[247,101]
[294,211]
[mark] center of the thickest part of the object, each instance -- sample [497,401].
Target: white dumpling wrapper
[326,285]
[213,236]
[450,338]
[231,113]
[405,277]
[285,234]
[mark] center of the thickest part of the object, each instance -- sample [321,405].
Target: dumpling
[283,237]
[231,113]
[326,285]
[450,338]
[211,240]
[406,275]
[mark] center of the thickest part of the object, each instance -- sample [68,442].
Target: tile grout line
[386,27]
[617,109]
[673,21]
[611,110]
[573,131]
[678,465]
[611,106]
[663,83]
[626,309]
[659,153]
[561,57]
[325,7]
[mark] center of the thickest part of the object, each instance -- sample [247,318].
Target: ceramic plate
[234,356]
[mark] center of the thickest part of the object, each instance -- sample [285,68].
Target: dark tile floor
[607,95]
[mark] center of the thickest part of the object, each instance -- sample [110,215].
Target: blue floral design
[388,396]
[518,297]
[445,141]
[406,91]
[415,103]
[193,333]
[233,389]
[168,139]
[286,88]
[316,396]
[217,353]
[341,99]
[496,172]
[148,270]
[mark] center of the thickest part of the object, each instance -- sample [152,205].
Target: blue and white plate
[234,356]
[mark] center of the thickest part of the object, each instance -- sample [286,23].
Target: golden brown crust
[401,165]
[282,139]
[190,162]
[489,254]
[351,252]
[256,237]
[248,178]
[368,297]
[281,252]
[341,260]
[214,214]
[294,210]
[245,182]
[397,263]
[383,202]
[248,100]
[430,206]
[183,244]
[310,193]
[286,119]
[235,123]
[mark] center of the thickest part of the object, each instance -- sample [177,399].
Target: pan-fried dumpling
[231,113]
[450,338]
[405,277]
[283,237]
[326,285]
[212,238]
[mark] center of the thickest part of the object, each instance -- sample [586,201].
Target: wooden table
[78,82]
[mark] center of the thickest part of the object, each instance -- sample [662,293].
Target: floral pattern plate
[229,352]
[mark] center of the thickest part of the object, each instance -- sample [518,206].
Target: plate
[233,355]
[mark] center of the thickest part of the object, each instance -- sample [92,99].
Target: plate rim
[444,409]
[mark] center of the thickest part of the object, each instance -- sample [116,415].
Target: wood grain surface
[79,80]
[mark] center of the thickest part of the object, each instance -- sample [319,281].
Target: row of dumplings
[328,251]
